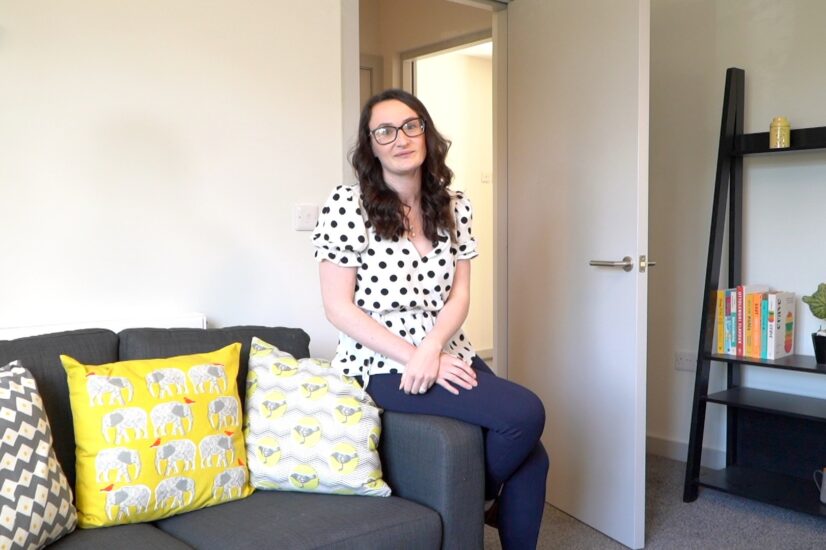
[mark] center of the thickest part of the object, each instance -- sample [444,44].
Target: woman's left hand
[421,370]
[455,372]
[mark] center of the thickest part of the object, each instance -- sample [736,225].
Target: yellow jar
[779,133]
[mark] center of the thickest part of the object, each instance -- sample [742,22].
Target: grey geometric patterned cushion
[35,498]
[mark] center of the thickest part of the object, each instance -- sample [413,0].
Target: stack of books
[754,321]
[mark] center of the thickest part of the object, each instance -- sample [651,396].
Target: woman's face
[403,157]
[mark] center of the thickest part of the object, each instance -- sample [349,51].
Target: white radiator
[183,320]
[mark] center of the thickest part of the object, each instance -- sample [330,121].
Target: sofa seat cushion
[136,536]
[41,356]
[286,520]
[148,343]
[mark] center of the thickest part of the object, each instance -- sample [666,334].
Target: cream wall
[150,155]
[369,27]
[390,27]
[779,45]
[465,116]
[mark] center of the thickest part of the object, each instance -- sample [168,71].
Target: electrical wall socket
[305,216]
[685,360]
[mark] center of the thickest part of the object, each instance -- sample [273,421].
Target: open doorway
[398,39]
[456,85]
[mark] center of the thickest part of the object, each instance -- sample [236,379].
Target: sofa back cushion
[148,343]
[41,356]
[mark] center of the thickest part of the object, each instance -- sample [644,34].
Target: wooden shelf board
[775,402]
[776,489]
[803,363]
[802,139]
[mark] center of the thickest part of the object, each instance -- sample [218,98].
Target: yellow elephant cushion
[309,428]
[156,437]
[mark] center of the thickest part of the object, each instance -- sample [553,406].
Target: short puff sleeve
[465,241]
[340,235]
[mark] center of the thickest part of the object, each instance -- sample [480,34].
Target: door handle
[627,264]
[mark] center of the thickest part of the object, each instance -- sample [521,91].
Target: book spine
[755,324]
[748,330]
[721,321]
[731,339]
[788,324]
[771,326]
[764,324]
[739,319]
[788,340]
[784,319]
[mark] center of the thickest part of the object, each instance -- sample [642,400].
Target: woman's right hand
[453,370]
[422,369]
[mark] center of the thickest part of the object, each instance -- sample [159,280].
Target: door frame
[499,22]
[374,64]
[408,57]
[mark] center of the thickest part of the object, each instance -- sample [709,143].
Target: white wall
[457,90]
[150,154]
[779,45]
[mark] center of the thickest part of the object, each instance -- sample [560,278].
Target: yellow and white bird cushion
[156,437]
[308,428]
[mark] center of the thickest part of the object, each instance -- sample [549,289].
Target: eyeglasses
[385,135]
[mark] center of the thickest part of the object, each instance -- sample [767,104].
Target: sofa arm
[438,462]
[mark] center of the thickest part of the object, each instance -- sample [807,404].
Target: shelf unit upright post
[728,182]
[774,441]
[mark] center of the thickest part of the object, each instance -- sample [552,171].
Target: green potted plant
[817,305]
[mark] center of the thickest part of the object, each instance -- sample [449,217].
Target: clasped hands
[429,365]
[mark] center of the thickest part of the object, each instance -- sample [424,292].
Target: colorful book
[756,314]
[731,321]
[781,316]
[720,303]
[748,329]
[742,309]
[764,324]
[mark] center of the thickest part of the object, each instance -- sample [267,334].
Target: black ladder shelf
[774,441]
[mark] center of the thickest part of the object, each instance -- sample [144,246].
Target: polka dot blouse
[396,286]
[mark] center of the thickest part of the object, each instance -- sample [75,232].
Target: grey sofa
[433,465]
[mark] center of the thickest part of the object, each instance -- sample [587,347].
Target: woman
[394,257]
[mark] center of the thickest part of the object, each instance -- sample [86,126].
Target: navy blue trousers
[512,418]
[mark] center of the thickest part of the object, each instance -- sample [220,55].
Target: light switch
[305,217]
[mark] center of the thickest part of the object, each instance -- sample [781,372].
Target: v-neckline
[431,251]
[416,249]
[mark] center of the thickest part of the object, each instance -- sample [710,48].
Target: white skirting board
[678,450]
[182,320]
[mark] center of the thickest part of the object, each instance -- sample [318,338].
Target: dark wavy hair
[385,211]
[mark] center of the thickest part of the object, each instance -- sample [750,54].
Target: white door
[577,170]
